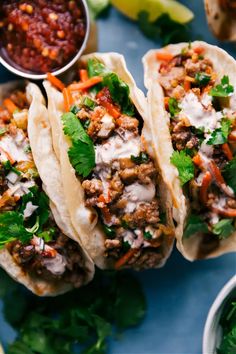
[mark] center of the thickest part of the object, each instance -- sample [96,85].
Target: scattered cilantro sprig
[220,135]
[224,89]
[118,89]
[88,316]
[193,225]
[184,164]
[223,228]
[82,152]
[229,174]
[228,324]
[174,108]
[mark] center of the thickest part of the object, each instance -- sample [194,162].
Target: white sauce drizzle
[107,126]
[15,147]
[29,209]
[56,265]
[136,193]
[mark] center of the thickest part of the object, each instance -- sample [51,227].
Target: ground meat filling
[123,185]
[57,258]
[187,80]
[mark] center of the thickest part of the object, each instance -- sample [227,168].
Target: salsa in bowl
[37,37]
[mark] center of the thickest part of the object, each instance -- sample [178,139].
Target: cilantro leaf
[229,174]
[19,347]
[82,152]
[147,235]
[12,228]
[173,107]
[220,135]
[184,164]
[73,128]
[223,228]
[228,344]
[141,158]
[82,157]
[193,225]
[41,214]
[118,89]
[202,79]
[163,29]
[224,89]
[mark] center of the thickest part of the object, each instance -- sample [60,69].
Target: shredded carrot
[199,50]
[106,214]
[5,197]
[204,187]
[125,258]
[55,81]
[111,109]
[187,85]
[189,78]
[227,212]
[216,173]
[102,199]
[86,84]
[10,105]
[67,99]
[227,151]
[164,56]
[197,160]
[166,102]
[232,136]
[83,74]
[8,156]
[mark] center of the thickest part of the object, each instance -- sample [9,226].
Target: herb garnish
[220,135]
[82,152]
[174,108]
[228,324]
[194,224]
[88,316]
[118,89]
[8,168]
[141,158]
[184,164]
[224,89]
[223,228]
[229,174]
[3,130]
[88,102]
[202,79]
[147,235]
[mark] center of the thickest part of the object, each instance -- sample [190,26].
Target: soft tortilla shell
[85,219]
[41,144]
[221,22]
[225,65]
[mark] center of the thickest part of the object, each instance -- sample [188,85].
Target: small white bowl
[212,332]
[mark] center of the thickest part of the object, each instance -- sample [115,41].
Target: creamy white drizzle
[107,126]
[136,193]
[117,148]
[198,116]
[20,188]
[56,265]
[29,209]
[15,147]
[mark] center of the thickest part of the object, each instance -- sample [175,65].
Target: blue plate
[180,294]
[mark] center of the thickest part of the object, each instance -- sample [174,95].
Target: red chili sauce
[41,35]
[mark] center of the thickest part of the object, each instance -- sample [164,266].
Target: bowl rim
[222,295]
[63,69]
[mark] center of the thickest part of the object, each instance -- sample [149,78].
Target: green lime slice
[177,12]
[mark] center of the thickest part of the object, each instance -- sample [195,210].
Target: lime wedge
[177,12]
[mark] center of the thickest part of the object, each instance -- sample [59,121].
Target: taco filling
[202,110]
[117,174]
[27,228]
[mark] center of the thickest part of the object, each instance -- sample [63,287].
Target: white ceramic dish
[212,331]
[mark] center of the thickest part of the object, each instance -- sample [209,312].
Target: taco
[117,200]
[192,109]
[34,223]
[221,16]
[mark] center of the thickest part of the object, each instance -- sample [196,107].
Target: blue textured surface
[180,294]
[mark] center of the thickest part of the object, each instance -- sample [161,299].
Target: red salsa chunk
[41,35]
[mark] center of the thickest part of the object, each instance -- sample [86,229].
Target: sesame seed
[45,52]
[10,27]
[29,9]
[61,34]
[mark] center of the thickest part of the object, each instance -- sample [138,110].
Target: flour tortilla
[85,220]
[221,22]
[39,133]
[224,64]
